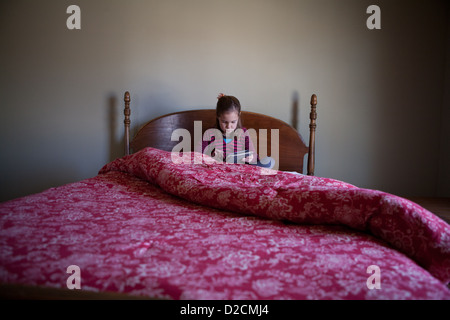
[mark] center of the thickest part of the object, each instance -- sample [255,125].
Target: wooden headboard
[157,133]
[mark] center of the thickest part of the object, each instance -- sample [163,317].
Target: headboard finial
[312,135]
[127,122]
[313,100]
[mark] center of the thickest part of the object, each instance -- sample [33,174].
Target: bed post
[312,135]
[127,122]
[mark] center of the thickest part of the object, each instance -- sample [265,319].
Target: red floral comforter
[147,226]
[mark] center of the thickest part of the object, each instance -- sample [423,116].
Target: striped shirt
[214,139]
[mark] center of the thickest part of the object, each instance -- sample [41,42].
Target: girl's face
[228,121]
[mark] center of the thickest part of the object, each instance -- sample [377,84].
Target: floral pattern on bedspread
[128,235]
[301,199]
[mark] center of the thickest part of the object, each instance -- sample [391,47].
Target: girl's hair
[228,104]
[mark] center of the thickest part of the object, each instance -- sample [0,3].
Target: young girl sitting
[228,136]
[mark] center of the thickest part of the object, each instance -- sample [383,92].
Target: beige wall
[380,92]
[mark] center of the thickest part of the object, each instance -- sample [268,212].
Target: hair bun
[221,95]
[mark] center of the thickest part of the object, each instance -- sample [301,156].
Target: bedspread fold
[278,195]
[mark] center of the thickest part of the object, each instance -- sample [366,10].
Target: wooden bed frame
[157,133]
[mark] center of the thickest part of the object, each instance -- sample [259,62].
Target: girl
[228,136]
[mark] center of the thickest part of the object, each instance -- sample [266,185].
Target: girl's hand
[218,155]
[248,159]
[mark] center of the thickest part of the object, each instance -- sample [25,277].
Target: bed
[151,225]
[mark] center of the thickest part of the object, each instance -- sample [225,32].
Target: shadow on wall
[295,110]
[295,120]
[305,131]
[116,145]
[408,107]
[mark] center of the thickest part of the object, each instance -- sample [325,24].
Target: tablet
[238,156]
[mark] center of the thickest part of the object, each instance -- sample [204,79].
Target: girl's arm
[249,146]
[207,145]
